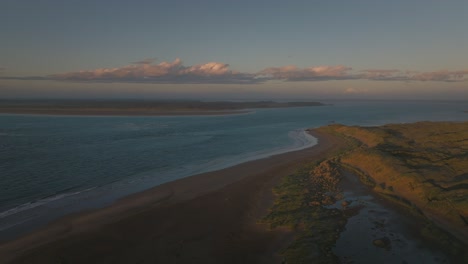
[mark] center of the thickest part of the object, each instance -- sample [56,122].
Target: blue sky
[256,49]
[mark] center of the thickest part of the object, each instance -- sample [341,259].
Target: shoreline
[183,193]
[25,227]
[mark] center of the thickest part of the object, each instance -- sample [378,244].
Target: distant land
[137,107]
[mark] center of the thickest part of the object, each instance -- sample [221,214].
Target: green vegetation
[421,166]
[299,205]
[425,163]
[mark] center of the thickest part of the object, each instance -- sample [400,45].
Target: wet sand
[207,218]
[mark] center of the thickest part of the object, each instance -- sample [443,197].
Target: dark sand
[207,218]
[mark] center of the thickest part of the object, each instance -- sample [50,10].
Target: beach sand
[206,218]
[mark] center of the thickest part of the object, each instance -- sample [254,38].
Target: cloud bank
[164,72]
[397,75]
[318,73]
[351,90]
[147,71]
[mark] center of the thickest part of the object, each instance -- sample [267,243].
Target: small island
[138,107]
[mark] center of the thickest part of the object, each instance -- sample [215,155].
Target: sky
[207,49]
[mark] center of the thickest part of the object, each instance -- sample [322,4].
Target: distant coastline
[138,107]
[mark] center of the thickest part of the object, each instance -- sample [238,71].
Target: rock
[314,203]
[327,200]
[383,242]
[345,203]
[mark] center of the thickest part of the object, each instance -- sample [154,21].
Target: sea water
[55,165]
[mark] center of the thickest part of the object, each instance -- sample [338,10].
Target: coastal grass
[422,167]
[425,163]
[299,206]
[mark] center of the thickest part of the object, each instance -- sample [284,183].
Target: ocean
[55,165]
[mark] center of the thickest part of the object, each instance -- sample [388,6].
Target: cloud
[148,71]
[208,69]
[164,72]
[352,90]
[441,76]
[377,74]
[397,75]
[133,71]
[317,73]
[25,78]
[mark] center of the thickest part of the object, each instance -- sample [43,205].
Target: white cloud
[316,73]
[164,72]
[351,90]
[398,75]
[148,71]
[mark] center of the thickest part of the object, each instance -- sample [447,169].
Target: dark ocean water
[54,165]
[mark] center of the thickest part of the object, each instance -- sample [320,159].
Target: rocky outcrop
[324,180]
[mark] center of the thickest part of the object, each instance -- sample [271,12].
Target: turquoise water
[54,165]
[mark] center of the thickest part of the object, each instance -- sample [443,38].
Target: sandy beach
[206,218]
